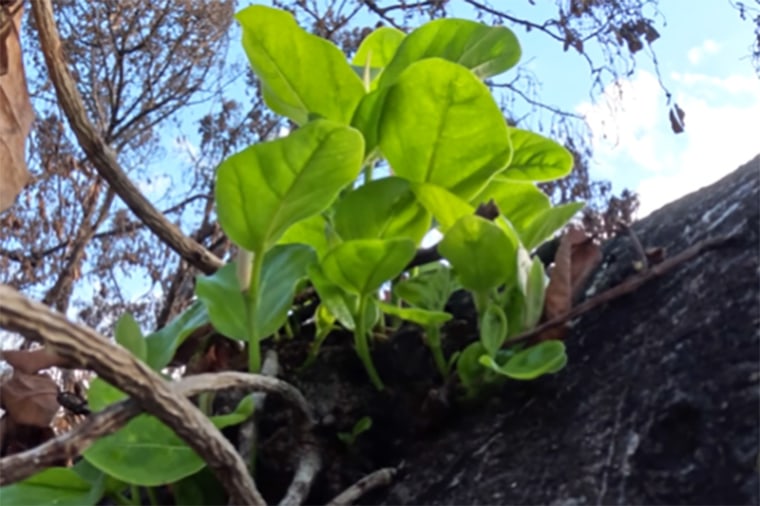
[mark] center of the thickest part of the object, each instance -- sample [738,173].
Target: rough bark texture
[659,402]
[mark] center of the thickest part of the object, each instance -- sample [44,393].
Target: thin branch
[82,345]
[380,478]
[629,285]
[101,155]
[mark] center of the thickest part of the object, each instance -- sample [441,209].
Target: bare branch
[101,155]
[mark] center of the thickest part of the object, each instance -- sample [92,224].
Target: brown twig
[101,154]
[85,347]
[376,479]
[629,285]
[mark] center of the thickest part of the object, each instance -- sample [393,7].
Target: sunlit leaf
[441,125]
[54,486]
[382,209]
[537,158]
[480,252]
[485,50]
[301,74]
[492,328]
[423,317]
[265,189]
[361,266]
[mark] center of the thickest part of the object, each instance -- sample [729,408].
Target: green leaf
[534,294]
[226,304]
[362,265]
[544,358]
[162,344]
[543,226]
[423,317]
[528,209]
[266,188]
[54,486]
[481,253]
[470,371]
[367,118]
[493,328]
[519,201]
[486,50]
[312,231]
[382,209]
[537,158]
[441,125]
[377,48]
[445,207]
[429,289]
[127,333]
[242,412]
[145,451]
[284,267]
[337,301]
[301,74]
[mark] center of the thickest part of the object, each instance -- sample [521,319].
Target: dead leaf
[29,399]
[677,117]
[16,113]
[576,257]
[33,361]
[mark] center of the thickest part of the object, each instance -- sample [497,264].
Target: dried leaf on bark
[16,113]
[33,361]
[577,256]
[29,399]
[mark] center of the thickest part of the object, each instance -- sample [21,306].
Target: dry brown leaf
[16,113]
[29,399]
[32,361]
[677,117]
[576,257]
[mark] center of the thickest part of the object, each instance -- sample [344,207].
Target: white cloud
[640,151]
[697,53]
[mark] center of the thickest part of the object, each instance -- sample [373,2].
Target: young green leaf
[493,328]
[423,317]
[361,266]
[546,357]
[266,188]
[377,48]
[53,486]
[481,253]
[537,158]
[534,294]
[441,125]
[338,302]
[429,289]
[301,74]
[470,371]
[485,50]
[127,333]
[543,226]
[162,344]
[225,303]
[382,209]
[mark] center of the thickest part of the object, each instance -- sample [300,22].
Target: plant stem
[362,344]
[254,344]
[434,343]
[367,171]
[152,496]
